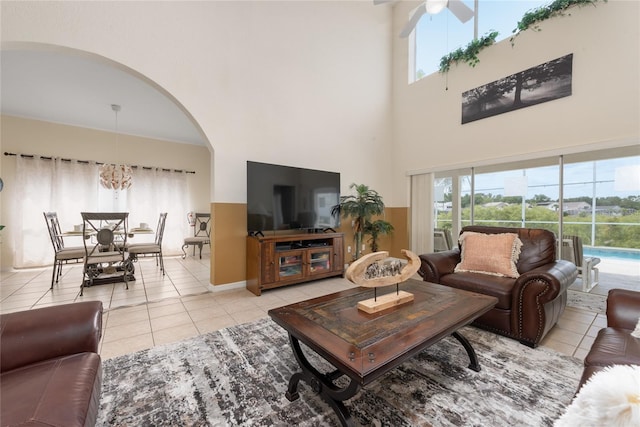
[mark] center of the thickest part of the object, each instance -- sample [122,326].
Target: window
[600,197]
[437,35]
[442,200]
[602,202]
[517,198]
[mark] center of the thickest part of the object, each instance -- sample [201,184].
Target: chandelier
[115,176]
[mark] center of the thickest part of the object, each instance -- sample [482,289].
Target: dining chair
[155,249]
[572,250]
[201,234]
[105,247]
[62,254]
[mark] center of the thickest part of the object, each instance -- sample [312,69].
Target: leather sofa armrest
[539,297]
[558,276]
[34,335]
[437,264]
[623,308]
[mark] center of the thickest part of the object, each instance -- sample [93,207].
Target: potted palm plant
[376,229]
[361,207]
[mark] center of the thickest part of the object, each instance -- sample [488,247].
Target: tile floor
[575,331]
[156,309]
[159,309]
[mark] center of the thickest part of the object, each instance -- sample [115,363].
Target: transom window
[437,35]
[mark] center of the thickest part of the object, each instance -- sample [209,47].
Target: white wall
[299,83]
[602,111]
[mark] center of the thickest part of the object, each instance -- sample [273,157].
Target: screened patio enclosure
[593,195]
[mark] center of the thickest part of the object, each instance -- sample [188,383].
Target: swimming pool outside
[617,253]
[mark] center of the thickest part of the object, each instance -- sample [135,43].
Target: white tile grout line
[595,316]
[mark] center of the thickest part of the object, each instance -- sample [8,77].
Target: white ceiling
[75,90]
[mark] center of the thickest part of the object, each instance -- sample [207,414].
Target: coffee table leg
[473,358]
[321,384]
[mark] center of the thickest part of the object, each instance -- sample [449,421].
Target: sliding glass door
[452,195]
[601,202]
[600,196]
[517,198]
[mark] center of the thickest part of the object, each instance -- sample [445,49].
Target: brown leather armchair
[50,370]
[614,345]
[529,306]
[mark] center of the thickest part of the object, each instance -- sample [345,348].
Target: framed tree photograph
[535,85]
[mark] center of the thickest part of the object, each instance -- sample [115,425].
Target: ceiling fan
[432,7]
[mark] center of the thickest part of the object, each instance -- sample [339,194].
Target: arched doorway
[62,95]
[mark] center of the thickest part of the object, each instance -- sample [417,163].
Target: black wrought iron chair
[62,254]
[105,247]
[154,249]
[201,234]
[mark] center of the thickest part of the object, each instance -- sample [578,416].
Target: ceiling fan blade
[421,10]
[460,10]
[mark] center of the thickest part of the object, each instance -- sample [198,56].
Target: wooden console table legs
[323,384]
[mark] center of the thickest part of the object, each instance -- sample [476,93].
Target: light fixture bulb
[435,6]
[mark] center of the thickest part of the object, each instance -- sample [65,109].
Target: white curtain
[155,191]
[49,185]
[422,213]
[71,187]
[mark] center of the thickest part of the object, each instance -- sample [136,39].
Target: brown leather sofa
[529,306]
[614,345]
[50,370]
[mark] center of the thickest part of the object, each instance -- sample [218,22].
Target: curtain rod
[31,156]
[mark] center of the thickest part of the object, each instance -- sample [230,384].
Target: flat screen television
[290,198]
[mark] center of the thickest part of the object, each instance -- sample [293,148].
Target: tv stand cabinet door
[268,266]
[290,265]
[338,254]
[319,261]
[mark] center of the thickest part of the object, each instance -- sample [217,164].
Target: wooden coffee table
[364,346]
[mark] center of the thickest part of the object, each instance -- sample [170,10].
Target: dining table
[131,233]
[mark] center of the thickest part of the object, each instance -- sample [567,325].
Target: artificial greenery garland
[532,18]
[469,54]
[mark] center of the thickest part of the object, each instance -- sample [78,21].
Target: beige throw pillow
[494,254]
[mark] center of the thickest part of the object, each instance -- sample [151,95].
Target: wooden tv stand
[282,260]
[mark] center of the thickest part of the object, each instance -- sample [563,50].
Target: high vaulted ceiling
[79,91]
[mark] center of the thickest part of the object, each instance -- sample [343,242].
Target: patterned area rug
[586,301]
[238,377]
